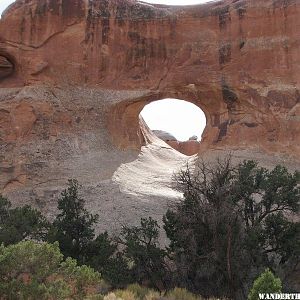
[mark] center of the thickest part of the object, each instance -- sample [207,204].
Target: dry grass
[137,292]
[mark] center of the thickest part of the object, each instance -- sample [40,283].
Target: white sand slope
[151,173]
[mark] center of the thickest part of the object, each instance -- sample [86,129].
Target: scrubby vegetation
[31,270]
[232,224]
[17,224]
[265,283]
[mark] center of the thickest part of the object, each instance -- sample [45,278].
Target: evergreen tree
[266,283]
[232,222]
[73,227]
[103,255]
[17,224]
[144,254]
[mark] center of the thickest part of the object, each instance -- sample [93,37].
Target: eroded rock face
[75,75]
[6,67]
[164,135]
[189,148]
[237,60]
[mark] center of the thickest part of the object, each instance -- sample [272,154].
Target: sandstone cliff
[75,75]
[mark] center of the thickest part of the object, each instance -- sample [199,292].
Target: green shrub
[265,283]
[31,270]
[81,277]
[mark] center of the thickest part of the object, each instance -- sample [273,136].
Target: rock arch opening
[177,122]
[128,129]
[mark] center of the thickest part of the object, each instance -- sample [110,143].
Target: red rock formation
[237,60]
[6,67]
[188,148]
[75,75]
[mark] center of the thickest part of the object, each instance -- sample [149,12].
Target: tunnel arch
[177,122]
[129,131]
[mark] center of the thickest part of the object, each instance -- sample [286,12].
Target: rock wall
[237,60]
[188,148]
[75,75]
